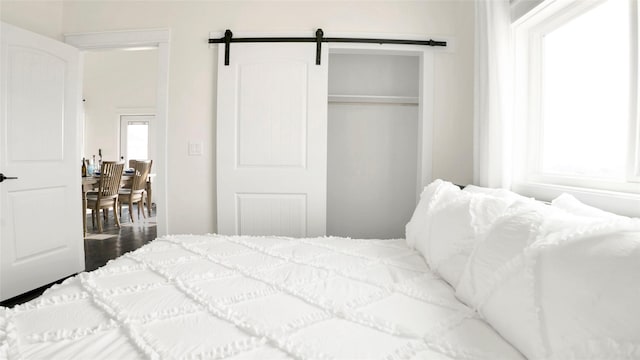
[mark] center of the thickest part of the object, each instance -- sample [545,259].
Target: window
[134,137]
[576,97]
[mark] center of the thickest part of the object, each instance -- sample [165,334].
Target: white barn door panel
[40,211]
[272,140]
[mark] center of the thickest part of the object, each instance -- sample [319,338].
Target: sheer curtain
[493,91]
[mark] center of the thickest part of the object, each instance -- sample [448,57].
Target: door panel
[272,114]
[282,214]
[271,141]
[40,223]
[21,206]
[36,77]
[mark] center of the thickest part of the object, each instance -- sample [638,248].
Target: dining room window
[134,136]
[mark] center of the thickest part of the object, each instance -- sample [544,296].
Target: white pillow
[455,230]
[501,193]
[455,219]
[495,281]
[441,192]
[537,277]
[416,226]
[572,205]
[590,291]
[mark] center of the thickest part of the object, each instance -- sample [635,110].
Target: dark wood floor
[97,252]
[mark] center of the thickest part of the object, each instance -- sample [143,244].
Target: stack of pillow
[558,281]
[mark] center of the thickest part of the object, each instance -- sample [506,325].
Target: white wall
[42,17]
[192,82]
[115,83]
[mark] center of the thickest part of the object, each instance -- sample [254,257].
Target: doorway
[143,40]
[119,89]
[373,119]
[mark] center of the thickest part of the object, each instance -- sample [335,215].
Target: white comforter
[253,298]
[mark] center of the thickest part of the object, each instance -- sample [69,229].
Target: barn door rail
[228,38]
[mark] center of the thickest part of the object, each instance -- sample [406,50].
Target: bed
[453,289]
[254,297]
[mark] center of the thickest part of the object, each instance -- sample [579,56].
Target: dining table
[90,182]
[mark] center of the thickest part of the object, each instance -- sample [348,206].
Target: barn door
[40,211]
[272,140]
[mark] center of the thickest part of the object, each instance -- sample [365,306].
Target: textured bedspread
[253,298]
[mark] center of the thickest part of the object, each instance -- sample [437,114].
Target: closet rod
[228,38]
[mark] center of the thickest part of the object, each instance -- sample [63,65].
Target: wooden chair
[107,194]
[136,193]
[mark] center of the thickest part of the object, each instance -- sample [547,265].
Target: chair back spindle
[110,178]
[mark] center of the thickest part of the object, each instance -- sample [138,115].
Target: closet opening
[376,127]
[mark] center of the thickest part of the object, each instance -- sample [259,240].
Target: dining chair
[136,193]
[107,194]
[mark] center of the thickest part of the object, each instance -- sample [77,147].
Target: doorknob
[3,178]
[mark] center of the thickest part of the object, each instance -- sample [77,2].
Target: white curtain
[493,93]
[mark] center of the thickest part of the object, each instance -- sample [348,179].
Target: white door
[272,140]
[40,212]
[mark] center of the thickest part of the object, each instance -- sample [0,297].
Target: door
[40,224]
[135,138]
[272,140]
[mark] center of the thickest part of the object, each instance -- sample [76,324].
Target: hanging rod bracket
[319,35]
[318,39]
[228,35]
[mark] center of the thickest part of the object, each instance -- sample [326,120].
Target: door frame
[136,39]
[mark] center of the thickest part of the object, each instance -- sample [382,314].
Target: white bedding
[253,298]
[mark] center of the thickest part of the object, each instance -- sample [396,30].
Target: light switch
[195,148]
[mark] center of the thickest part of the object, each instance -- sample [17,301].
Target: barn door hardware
[3,178]
[228,38]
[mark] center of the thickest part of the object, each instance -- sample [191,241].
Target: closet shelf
[408,100]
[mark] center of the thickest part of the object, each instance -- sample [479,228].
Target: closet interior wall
[373,129]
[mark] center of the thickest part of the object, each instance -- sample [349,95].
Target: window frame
[125,120]
[529,30]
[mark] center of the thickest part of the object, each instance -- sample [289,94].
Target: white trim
[427,117]
[616,202]
[126,39]
[132,39]
[633,166]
